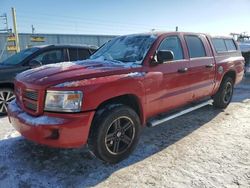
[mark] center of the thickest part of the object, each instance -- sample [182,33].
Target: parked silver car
[245,49]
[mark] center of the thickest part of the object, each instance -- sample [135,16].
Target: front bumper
[55,130]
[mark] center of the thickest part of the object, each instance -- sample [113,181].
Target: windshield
[125,49]
[19,57]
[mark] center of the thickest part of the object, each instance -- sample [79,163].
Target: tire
[115,133]
[6,96]
[225,93]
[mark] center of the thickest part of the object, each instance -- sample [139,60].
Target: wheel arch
[130,100]
[231,74]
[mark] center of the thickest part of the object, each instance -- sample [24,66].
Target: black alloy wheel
[114,133]
[225,93]
[228,92]
[120,135]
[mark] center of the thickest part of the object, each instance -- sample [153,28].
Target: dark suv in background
[34,57]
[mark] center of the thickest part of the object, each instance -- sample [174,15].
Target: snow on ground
[206,148]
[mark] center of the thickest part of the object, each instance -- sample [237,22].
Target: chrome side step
[155,122]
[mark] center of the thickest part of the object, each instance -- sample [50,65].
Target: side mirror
[35,63]
[164,55]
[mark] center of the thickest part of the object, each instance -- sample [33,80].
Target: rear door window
[173,44]
[219,45]
[51,56]
[78,54]
[230,45]
[83,54]
[195,46]
[73,56]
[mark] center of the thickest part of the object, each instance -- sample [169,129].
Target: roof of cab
[222,37]
[159,33]
[93,47]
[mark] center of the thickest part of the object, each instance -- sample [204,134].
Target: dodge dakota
[131,82]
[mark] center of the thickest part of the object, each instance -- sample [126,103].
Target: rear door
[201,66]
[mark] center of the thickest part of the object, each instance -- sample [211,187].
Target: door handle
[183,70]
[210,66]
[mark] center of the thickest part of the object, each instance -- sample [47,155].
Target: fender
[110,87]
[225,66]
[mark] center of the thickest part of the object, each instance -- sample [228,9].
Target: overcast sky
[217,17]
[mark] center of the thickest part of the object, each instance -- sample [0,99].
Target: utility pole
[15,29]
[5,29]
[4,18]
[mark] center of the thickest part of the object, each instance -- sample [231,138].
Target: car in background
[33,57]
[245,49]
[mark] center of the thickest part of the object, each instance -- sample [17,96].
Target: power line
[89,20]
[80,27]
[23,22]
[82,23]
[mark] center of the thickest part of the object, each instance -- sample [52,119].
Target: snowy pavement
[206,148]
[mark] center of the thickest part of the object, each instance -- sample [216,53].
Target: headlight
[63,101]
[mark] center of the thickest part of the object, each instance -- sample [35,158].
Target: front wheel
[115,133]
[6,96]
[224,96]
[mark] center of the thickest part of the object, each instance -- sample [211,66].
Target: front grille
[31,106]
[30,94]
[30,100]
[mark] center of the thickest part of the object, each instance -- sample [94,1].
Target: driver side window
[49,57]
[173,44]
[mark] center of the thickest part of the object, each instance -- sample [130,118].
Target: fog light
[54,134]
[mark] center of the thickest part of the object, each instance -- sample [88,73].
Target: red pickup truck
[131,82]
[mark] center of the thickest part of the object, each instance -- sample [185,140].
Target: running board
[158,121]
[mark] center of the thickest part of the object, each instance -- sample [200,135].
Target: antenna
[32,29]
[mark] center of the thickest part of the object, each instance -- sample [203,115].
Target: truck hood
[50,75]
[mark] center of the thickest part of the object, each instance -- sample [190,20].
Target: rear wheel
[6,96]
[115,134]
[224,96]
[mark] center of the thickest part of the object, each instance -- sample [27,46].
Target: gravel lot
[206,148]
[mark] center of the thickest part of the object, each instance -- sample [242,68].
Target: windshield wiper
[114,60]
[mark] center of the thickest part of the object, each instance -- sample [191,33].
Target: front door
[167,84]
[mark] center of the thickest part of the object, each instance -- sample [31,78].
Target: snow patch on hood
[110,62]
[88,64]
[35,121]
[62,65]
